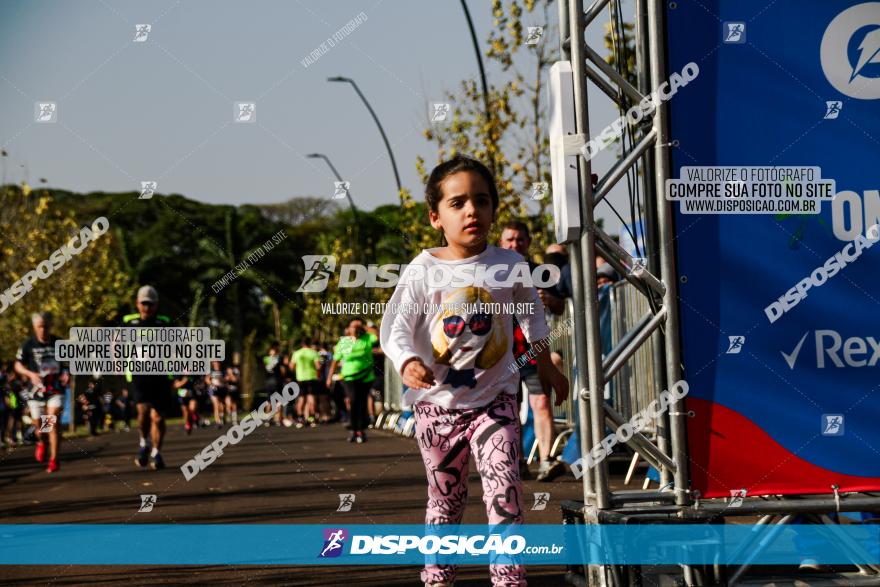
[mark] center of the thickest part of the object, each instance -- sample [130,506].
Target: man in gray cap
[152,394]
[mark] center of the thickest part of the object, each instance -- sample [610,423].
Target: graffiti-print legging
[447,438]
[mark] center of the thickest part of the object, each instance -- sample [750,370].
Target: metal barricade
[393,387]
[392,395]
[632,385]
[562,342]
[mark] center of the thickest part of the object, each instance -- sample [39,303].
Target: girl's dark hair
[433,193]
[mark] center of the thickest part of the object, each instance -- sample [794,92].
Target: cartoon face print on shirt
[466,337]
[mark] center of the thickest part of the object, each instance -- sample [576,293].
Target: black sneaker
[550,470]
[157,463]
[353,437]
[143,457]
[361,437]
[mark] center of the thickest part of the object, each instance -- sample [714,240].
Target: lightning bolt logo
[850,51]
[870,50]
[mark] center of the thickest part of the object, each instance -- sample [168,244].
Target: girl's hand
[552,378]
[417,375]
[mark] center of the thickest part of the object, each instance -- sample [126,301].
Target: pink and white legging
[447,438]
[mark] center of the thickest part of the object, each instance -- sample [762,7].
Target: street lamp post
[487,112]
[378,124]
[338,178]
[357,223]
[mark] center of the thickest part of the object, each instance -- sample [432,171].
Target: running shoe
[188,427]
[550,470]
[361,437]
[143,457]
[158,463]
[353,437]
[53,466]
[40,453]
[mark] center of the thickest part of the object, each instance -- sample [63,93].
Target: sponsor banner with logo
[793,406]
[276,544]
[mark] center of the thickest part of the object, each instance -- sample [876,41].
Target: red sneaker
[41,452]
[53,466]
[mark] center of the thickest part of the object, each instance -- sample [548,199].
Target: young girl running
[457,362]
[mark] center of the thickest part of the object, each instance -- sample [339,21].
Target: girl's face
[466,335]
[464,214]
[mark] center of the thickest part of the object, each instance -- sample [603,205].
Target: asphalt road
[275,475]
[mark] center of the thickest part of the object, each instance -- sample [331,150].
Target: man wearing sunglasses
[152,394]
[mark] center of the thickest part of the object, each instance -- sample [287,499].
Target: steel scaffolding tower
[674,500]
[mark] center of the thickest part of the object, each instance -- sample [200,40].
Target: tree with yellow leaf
[510,136]
[87,290]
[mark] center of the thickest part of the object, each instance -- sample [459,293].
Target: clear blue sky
[163,109]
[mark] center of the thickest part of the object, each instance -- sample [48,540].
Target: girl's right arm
[401,323]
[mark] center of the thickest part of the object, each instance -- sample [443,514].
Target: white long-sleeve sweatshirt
[456,316]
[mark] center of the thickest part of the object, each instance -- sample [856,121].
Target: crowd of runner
[338,383]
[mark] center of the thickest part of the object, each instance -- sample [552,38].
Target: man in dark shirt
[152,394]
[275,364]
[45,382]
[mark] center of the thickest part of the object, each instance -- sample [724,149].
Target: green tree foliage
[185,248]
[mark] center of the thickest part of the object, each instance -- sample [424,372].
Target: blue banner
[781,340]
[269,544]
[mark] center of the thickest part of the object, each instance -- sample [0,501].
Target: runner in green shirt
[307,361]
[356,351]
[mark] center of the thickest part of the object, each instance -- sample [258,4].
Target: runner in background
[35,362]
[288,413]
[14,430]
[217,392]
[515,237]
[90,402]
[274,367]
[375,397]
[356,351]
[107,408]
[322,396]
[122,409]
[307,362]
[334,399]
[200,393]
[189,406]
[233,395]
[153,394]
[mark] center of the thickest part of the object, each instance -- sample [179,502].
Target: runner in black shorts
[189,406]
[233,397]
[217,392]
[152,394]
[46,379]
